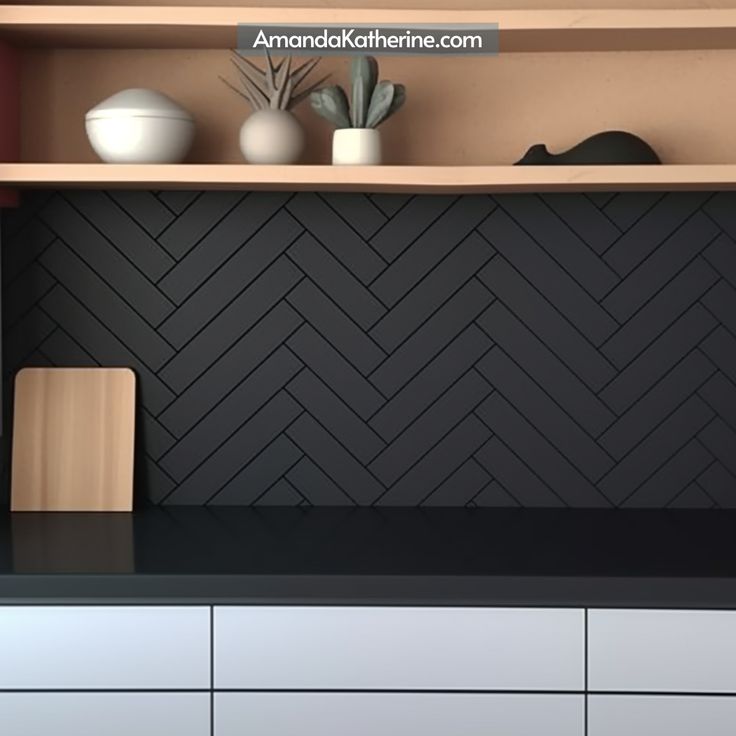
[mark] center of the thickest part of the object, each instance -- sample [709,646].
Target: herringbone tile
[549,277]
[583,217]
[112,265]
[344,243]
[123,231]
[545,320]
[576,256]
[462,487]
[329,349]
[518,478]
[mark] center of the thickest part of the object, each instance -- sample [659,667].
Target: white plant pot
[271,137]
[356,147]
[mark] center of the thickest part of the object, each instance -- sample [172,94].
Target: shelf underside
[215,27]
[373,178]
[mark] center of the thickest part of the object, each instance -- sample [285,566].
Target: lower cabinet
[398,648]
[662,651]
[111,714]
[104,648]
[365,671]
[405,714]
[669,715]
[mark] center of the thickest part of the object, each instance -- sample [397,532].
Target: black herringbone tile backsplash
[519,350]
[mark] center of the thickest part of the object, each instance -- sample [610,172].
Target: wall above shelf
[414,179]
[215,27]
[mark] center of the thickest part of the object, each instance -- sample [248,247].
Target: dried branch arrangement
[277,87]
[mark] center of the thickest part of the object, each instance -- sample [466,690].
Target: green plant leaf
[332,104]
[364,72]
[398,100]
[381,100]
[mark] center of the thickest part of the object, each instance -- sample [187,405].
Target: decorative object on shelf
[611,147]
[140,126]
[356,140]
[73,438]
[271,134]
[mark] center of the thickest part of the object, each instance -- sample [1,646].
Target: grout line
[664,694]
[585,675]
[730,695]
[107,691]
[212,671]
[399,691]
[465,691]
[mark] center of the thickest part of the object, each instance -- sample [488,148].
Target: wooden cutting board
[73,435]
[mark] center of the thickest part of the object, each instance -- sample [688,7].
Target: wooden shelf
[373,178]
[215,27]
[679,102]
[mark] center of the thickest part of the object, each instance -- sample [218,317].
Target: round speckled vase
[272,137]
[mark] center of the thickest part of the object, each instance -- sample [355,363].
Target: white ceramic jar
[140,126]
[356,147]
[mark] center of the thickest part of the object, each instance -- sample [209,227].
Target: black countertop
[366,556]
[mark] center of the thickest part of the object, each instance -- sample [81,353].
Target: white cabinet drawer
[662,651]
[362,648]
[104,647]
[669,715]
[399,714]
[111,714]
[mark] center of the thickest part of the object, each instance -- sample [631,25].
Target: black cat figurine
[611,147]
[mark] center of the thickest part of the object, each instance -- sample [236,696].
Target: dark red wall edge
[9,115]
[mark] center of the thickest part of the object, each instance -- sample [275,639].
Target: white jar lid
[138,102]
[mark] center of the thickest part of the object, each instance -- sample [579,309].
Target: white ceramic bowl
[140,126]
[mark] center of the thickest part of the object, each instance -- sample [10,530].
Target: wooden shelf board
[372,178]
[214,27]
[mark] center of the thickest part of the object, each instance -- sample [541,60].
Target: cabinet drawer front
[102,648]
[111,714]
[376,714]
[670,715]
[662,651]
[360,648]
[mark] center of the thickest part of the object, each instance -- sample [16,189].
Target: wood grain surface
[411,179]
[73,436]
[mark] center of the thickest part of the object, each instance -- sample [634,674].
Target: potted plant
[271,134]
[356,140]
